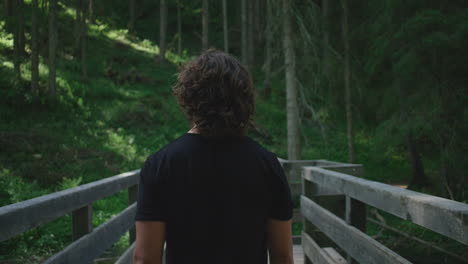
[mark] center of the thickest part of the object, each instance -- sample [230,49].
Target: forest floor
[122,113]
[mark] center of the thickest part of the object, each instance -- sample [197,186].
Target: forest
[86,93]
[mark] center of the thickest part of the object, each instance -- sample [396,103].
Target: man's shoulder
[261,150]
[168,149]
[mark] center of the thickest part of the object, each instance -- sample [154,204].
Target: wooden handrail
[447,217]
[356,243]
[19,217]
[92,245]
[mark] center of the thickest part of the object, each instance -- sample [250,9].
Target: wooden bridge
[333,203]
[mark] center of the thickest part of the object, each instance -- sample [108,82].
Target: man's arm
[279,241]
[149,245]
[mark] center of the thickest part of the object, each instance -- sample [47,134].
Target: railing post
[306,226]
[132,197]
[355,214]
[82,221]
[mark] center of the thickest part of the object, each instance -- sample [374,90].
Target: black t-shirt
[215,196]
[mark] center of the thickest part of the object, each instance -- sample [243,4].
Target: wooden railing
[333,201]
[88,243]
[334,209]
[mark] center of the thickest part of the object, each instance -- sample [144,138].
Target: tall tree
[20,21]
[78,24]
[325,39]
[250,38]
[162,31]
[225,27]
[268,48]
[347,76]
[419,178]
[92,18]
[35,48]
[16,21]
[83,40]
[132,16]
[52,46]
[244,32]
[291,89]
[179,29]
[205,15]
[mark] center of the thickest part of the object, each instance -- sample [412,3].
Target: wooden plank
[127,256]
[447,217]
[298,254]
[82,221]
[335,255]
[355,214]
[357,244]
[313,251]
[92,245]
[19,217]
[132,197]
[350,169]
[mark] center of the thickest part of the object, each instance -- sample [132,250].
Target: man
[214,195]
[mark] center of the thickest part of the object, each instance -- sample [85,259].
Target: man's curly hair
[216,93]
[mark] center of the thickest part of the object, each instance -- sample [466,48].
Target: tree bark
[132,15]
[250,38]
[83,41]
[244,32]
[162,31]
[92,18]
[205,15]
[347,73]
[256,24]
[35,47]
[20,20]
[179,29]
[291,89]
[268,48]
[52,46]
[325,38]
[16,14]
[78,24]
[419,178]
[225,27]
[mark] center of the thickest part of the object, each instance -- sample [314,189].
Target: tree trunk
[325,39]
[349,115]
[16,14]
[244,32]
[419,178]
[21,37]
[132,15]
[179,30]
[250,38]
[225,27]
[256,24]
[78,24]
[92,18]
[205,15]
[35,48]
[52,46]
[162,31]
[268,48]
[83,41]
[291,89]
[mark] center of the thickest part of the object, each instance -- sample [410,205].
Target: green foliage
[68,183]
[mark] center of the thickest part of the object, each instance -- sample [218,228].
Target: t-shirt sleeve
[281,207]
[152,204]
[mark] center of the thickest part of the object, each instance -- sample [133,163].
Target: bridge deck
[298,254]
